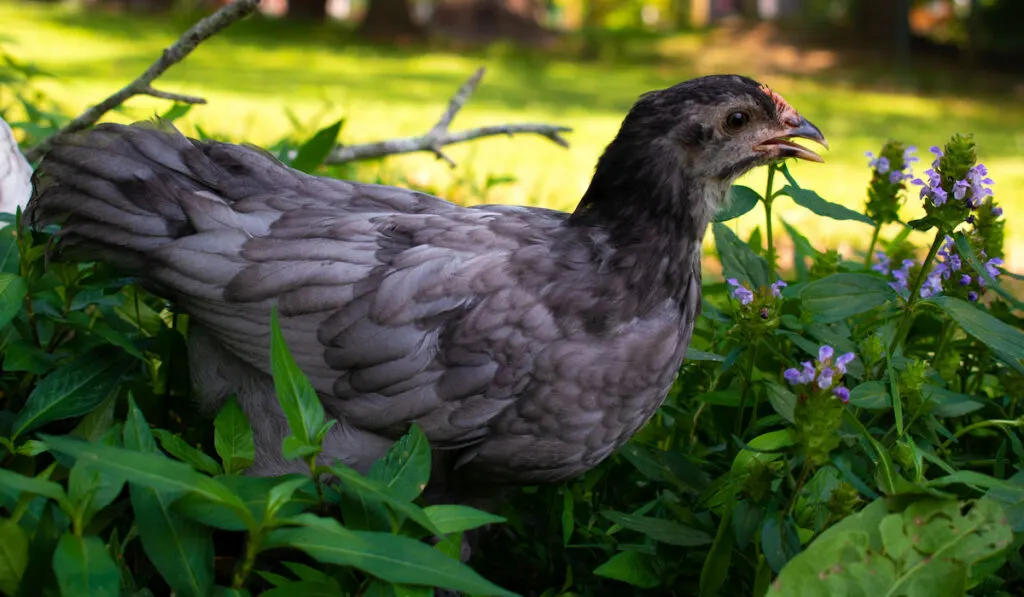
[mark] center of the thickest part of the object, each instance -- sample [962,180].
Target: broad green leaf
[298,399]
[9,256]
[700,355]
[997,335]
[315,150]
[946,403]
[176,111]
[746,520]
[802,250]
[308,588]
[179,548]
[872,395]
[839,296]
[22,484]
[393,558]
[13,555]
[979,480]
[73,390]
[663,531]
[92,489]
[12,297]
[814,202]
[83,567]
[716,565]
[453,518]
[568,515]
[152,470]
[741,200]
[779,539]
[179,448]
[405,469]
[769,445]
[98,422]
[282,493]
[374,491]
[782,400]
[720,398]
[254,492]
[630,567]
[738,260]
[233,438]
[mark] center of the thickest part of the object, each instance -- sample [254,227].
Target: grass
[255,71]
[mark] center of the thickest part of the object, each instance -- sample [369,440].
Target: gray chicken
[527,343]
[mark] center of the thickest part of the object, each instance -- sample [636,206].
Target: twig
[439,136]
[198,33]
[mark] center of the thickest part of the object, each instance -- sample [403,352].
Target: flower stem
[746,390]
[252,547]
[768,198]
[871,247]
[915,293]
[1000,423]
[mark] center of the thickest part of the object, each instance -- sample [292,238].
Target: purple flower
[972,296]
[881,163]
[938,196]
[842,393]
[969,219]
[991,265]
[902,275]
[960,189]
[825,378]
[882,266]
[777,287]
[978,178]
[825,353]
[965,280]
[997,211]
[938,154]
[932,284]
[843,361]
[808,372]
[741,292]
[909,157]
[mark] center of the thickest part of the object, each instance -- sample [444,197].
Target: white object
[15,172]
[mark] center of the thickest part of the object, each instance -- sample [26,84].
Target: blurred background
[864,71]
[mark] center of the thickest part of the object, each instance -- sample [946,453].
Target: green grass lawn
[252,73]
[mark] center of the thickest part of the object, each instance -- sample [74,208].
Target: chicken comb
[781,105]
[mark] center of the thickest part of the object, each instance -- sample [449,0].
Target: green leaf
[92,489]
[12,297]
[254,492]
[314,151]
[839,296]
[73,390]
[700,355]
[405,469]
[298,399]
[176,111]
[738,260]
[22,484]
[308,588]
[810,200]
[630,567]
[179,448]
[180,549]
[977,479]
[715,570]
[83,567]
[568,515]
[802,250]
[233,438]
[871,395]
[374,491]
[782,400]
[998,336]
[452,518]
[741,200]
[13,555]
[282,494]
[946,403]
[779,539]
[720,398]
[663,531]
[152,470]
[393,558]
[747,518]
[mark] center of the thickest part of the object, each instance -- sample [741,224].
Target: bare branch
[198,33]
[439,136]
[174,97]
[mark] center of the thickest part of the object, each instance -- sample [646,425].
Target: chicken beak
[780,146]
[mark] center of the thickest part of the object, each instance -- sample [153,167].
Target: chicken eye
[736,121]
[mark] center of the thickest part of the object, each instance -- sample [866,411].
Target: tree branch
[439,136]
[198,33]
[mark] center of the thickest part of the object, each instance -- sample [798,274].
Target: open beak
[780,146]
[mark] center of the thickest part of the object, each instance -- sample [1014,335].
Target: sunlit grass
[250,77]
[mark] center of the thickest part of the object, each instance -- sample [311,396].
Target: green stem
[871,247]
[252,548]
[768,198]
[915,294]
[947,335]
[1001,423]
[746,390]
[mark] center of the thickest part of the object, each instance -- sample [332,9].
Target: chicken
[15,172]
[527,343]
